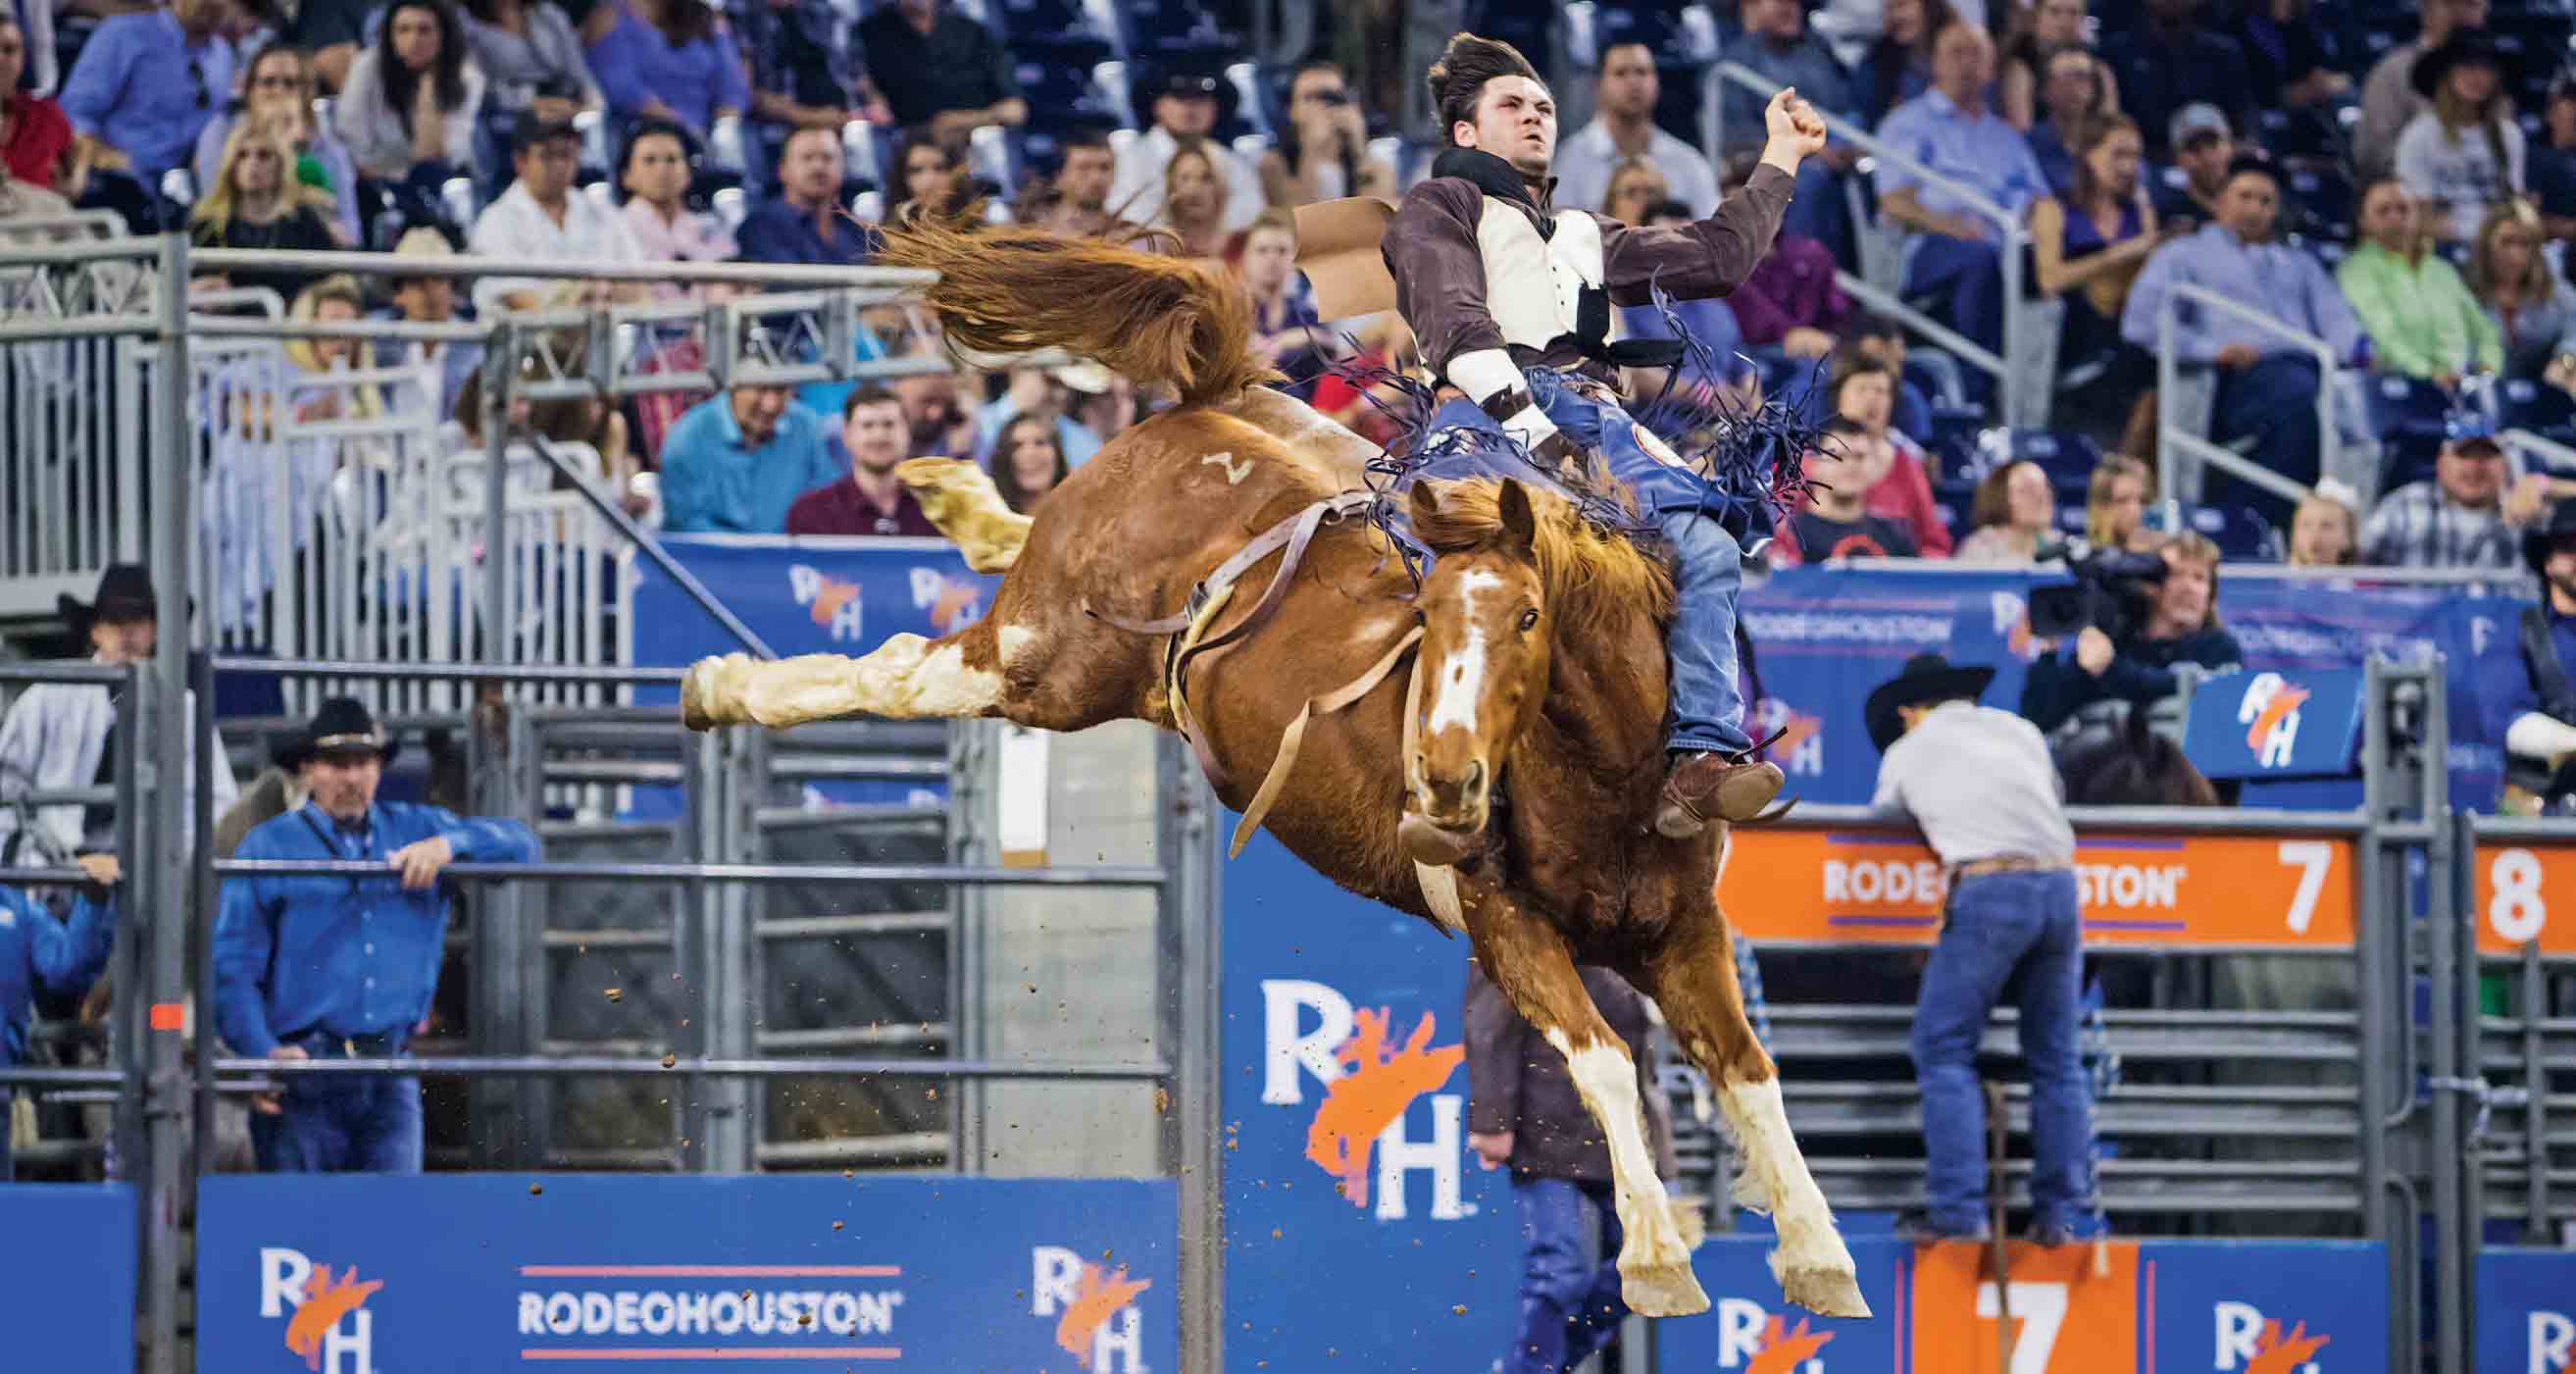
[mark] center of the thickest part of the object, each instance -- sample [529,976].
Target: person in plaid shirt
[2471,515]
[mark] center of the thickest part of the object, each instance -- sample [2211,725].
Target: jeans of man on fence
[2016,935]
[1707,706]
[1570,1303]
[341,1123]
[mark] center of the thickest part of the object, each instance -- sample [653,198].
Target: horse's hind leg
[1693,980]
[1529,960]
[905,678]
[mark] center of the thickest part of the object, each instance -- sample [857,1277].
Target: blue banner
[2526,1311]
[67,1274]
[1823,637]
[478,1273]
[2261,725]
[1748,1326]
[2317,1306]
[1360,1233]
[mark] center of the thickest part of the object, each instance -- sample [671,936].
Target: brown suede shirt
[1440,247]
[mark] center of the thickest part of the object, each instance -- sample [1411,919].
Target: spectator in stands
[257,201]
[1194,201]
[2265,390]
[2469,515]
[801,72]
[1184,111]
[940,70]
[2539,707]
[2389,101]
[1047,393]
[2551,169]
[56,959]
[1623,126]
[736,462]
[1950,132]
[1880,339]
[935,182]
[1636,185]
[35,135]
[2090,247]
[1782,52]
[542,218]
[307,969]
[654,173]
[2204,147]
[867,500]
[2287,53]
[2533,309]
[428,300]
[1524,1113]
[1834,522]
[806,223]
[672,60]
[2325,532]
[1898,67]
[2462,155]
[2073,93]
[1027,462]
[2178,623]
[2015,512]
[941,426]
[530,56]
[409,108]
[2422,320]
[145,85]
[1982,786]
[61,735]
[1078,199]
[2115,506]
[277,85]
[2176,60]
[2031,57]
[1899,489]
[1286,330]
[1323,151]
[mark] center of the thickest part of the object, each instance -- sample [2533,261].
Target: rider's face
[1515,121]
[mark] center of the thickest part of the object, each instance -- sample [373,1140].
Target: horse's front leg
[1530,961]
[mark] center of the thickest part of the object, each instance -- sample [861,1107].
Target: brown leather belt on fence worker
[1978,868]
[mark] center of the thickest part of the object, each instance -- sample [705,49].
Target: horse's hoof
[701,697]
[1662,1290]
[1827,1292]
[1428,844]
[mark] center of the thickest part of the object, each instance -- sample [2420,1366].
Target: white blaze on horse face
[1462,677]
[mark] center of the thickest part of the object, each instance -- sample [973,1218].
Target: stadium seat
[2241,535]
[2065,454]
[2540,408]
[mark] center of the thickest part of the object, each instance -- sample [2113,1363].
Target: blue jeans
[341,1125]
[1570,1300]
[2273,402]
[2019,935]
[1965,280]
[1706,708]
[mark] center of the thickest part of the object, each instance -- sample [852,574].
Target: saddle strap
[1293,534]
[1294,737]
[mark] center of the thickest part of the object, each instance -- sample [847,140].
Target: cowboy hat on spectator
[1926,678]
[342,726]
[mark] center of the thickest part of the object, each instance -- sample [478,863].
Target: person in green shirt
[2420,316]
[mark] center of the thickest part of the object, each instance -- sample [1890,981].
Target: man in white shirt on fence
[542,219]
[1982,786]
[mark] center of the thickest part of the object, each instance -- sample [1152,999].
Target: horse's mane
[1588,573]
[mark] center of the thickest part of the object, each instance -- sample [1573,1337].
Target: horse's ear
[1519,522]
[1425,505]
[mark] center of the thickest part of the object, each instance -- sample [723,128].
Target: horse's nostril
[1475,777]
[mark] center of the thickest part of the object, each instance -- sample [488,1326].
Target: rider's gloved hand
[1487,374]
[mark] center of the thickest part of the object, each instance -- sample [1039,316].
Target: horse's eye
[1529,620]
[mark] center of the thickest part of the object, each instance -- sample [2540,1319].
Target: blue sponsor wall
[67,1274]
[483,1272]
[2526,1311]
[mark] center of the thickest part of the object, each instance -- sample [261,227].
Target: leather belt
[1978,868]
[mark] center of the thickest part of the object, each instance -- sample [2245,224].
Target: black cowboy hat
[124,594]
[2465,46]
[343,725]
[1926,678]
[2539,540]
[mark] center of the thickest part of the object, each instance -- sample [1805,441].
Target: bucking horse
[1208,571]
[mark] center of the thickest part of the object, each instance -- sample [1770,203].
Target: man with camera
[2136,623]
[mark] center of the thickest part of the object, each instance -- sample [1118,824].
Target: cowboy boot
[1702,784]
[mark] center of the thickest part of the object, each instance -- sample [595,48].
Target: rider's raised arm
[1709,257]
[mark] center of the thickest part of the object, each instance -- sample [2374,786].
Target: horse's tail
[1148,317]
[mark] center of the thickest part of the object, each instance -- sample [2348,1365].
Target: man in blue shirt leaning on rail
[314,967]
[61,958]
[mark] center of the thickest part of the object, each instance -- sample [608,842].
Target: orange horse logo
[1373,1095]
[1098,1298]
[325,1303]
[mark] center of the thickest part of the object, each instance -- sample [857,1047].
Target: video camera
[2108,594]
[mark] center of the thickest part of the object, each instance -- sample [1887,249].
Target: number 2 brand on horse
[1537,637]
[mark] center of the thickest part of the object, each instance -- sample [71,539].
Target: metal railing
[2176,444]
[2020,405]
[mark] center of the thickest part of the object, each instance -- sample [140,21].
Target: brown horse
[1540,656]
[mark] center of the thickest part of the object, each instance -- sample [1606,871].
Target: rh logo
[2270,711]
[1756,1340]
[1367,1089]
[2256,1344]
[2553,1342]
[327,1321]
[1097,1319]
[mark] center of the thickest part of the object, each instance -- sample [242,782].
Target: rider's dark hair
[1462,71]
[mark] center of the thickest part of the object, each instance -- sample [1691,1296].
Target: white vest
[1533,286]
